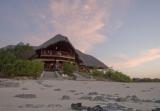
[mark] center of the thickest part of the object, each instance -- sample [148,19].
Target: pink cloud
[81,22]
[140,59]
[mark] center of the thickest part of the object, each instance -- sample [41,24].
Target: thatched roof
[90,61]
[54,40]
[87,60]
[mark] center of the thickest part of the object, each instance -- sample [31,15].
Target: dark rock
[79,107]
[127,87]
[26,96]
[72,91]
[156,109]
[76,94]
[54,105]
[157,101]
[34,106]
[92,93]
[147,101]
[86,98]
[96,108]
[76,106]
[121,99]
[65,97]
[114,107]
[24,89]
[99,98]
[130,109]
[46,85]
[58,89]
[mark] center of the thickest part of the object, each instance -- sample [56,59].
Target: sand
[58,95]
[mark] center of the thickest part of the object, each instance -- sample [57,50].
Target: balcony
[56,54]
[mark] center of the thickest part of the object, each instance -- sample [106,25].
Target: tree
[23,51]
[6,60]
[69,68]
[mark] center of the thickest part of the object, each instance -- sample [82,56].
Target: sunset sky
[124,34]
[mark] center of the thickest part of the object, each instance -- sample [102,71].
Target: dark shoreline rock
[65,97]
[26,96]
[108,107]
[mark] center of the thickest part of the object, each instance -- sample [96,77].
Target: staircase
[50,75]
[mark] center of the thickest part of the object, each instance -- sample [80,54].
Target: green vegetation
[120,77]
[146,80]
[13,62]
[111,74]
[99,75]
[69,68]
[23,51]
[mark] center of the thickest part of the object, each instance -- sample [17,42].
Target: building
[59,49]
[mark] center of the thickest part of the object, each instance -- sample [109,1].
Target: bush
[98,74]
[7,59]
[117,76]
[69,68]
[11,65]
[146,80]
[27,68]
[23,51]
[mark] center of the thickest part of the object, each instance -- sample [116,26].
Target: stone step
[48,75]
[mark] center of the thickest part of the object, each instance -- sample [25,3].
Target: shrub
[116,76]
[97,74]
[23,51]
[7,59]
[27,68]
[146,80]
[69,68]
[11,66]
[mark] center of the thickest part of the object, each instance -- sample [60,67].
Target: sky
[124,34]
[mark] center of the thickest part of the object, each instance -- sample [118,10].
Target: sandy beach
[58,95]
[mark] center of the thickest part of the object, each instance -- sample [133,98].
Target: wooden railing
[57,54]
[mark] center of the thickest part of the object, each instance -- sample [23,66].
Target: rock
[54,105]
[99,98]
[26,96]
[134,98]
[34,106]
[114,107]
[79,107]
[156,109]
[24,89]
[72,91]
[86,98]
[130,109]
[92,93]
[47,85]
[58,89]
[96,108]
[127,87]
[120,99]
[146,100]
[65,97]
[157,101]
[76,106]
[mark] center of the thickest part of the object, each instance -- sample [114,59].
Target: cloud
[142,58]
[81,20]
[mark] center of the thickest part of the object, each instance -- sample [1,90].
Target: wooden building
[58,50]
